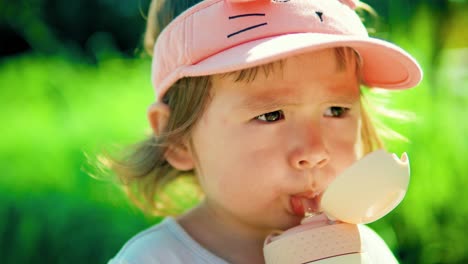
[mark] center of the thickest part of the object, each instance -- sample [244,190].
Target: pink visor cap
[219,36]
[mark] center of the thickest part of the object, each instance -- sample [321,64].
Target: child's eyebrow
[267,101]
[278,100]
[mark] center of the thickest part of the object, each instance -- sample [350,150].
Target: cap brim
[385,65]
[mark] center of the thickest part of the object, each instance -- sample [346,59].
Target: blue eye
[271,116]
[336,111]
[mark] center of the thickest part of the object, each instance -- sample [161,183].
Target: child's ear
[158,115]
[178,155]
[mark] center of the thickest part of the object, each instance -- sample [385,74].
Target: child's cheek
[343,130]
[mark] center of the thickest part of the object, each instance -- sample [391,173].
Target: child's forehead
[287,80]
[280,70]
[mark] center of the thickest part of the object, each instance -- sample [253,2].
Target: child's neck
[234,241]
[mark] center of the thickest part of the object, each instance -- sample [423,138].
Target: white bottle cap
[368,190]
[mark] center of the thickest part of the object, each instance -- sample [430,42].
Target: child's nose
[310,151]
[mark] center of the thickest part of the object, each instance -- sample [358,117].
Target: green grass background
[56,112]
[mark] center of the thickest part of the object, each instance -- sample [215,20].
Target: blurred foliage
[48,26]
[72,86]
[51,209]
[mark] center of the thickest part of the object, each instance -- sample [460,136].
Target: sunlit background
[74,81]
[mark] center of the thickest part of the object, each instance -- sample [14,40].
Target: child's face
[261,145]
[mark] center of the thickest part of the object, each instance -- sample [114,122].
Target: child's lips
[297,207]
[303,205]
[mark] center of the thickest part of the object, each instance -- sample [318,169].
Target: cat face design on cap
[319,13]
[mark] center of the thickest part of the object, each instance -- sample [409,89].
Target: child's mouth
[304,206]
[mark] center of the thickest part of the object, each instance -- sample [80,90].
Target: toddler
[261,101]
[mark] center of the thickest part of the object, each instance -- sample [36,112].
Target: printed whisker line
[247,15]
[245,29]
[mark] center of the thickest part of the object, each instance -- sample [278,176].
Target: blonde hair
[143,169]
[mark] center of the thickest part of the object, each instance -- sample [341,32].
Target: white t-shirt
[168,242]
